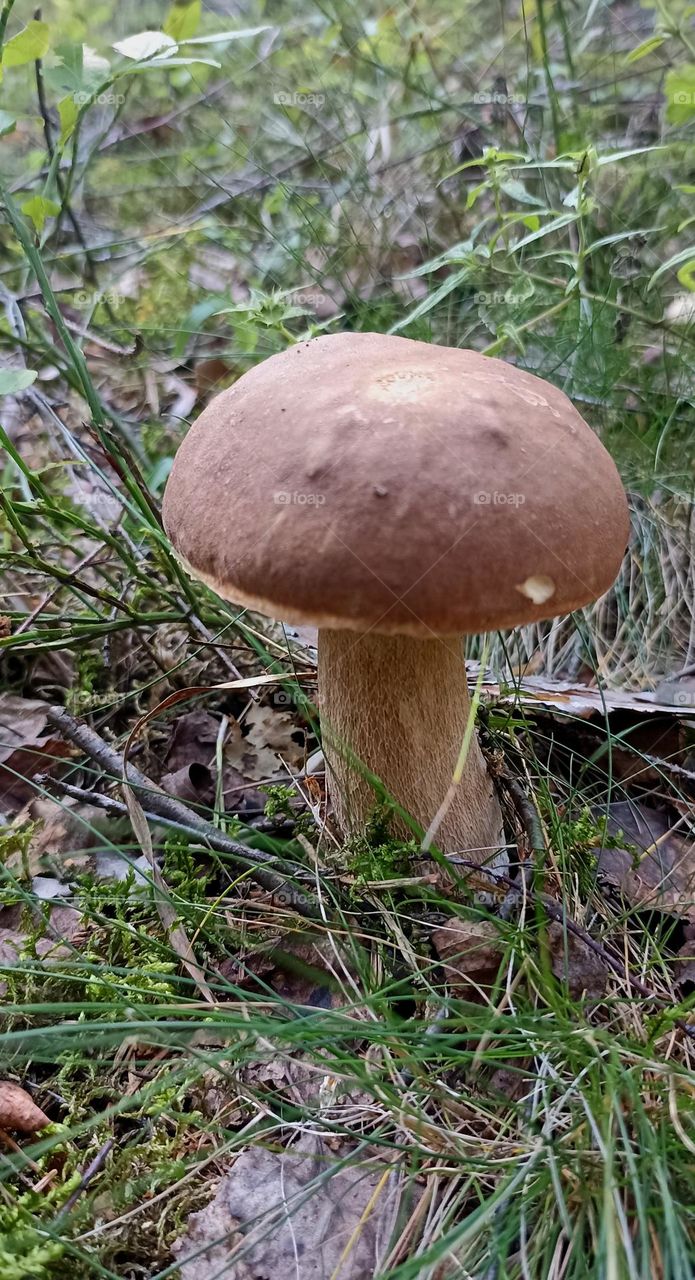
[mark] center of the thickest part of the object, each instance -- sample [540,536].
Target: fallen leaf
[661,874]
[297,966]
[512,1083]
[278,1214]
[62,840]
[302,973]
[191,760]
[210,374]
[28,745]
[11,945]
[575,963]
[64,932]
[193,741]
[18,1111]
[685,968]
[576,699]
[471,952]
[194,784]
[270,740]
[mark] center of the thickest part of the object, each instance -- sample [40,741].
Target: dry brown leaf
[270,735]
[11,946]
[299,967]
[191,760]
[662,873]
[217,1096]
[62,840]
[576,699]
[194,784]
[278,1214]
[471,952]
[28,745]
[684,968]
[576,964]
[64,932]
[193,741]
[18,1111]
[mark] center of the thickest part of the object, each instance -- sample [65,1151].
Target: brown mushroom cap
[362,481]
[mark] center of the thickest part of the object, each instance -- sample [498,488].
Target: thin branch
[162,806]
[89,1173]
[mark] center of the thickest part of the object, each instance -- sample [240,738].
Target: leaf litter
[309,1211]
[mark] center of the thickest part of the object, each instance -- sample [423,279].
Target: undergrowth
[516,181]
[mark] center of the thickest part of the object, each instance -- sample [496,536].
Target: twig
[120,810]
[168,808]
[528,812]
[89,1173]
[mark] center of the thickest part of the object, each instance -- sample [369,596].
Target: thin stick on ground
[168,808]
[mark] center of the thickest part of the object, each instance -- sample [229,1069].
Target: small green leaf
[146,46]
[221,37]
[194,321]
[183,20]
[684,256]
[7,123]
[68,111]
[38,208]
[686,275]
[679,91]
[433,299]
[13,380]
[30,43]
[645,48]
[67,75]
[517,191]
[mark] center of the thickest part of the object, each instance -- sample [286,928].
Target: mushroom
[399,496]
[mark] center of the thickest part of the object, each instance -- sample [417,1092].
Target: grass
[522,185]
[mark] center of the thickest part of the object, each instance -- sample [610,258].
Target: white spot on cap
[538,588]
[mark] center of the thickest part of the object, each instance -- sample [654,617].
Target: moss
[580,838]
[282,803]
[377,855]
[14,847]
[25,1251]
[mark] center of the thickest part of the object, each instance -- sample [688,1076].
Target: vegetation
[180,989]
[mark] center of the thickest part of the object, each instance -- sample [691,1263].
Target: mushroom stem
[400,706]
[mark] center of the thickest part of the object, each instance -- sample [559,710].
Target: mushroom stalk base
[400,707]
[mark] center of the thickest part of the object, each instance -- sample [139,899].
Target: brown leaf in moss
[18,1111]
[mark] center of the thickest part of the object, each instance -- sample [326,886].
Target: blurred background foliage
[516,178]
